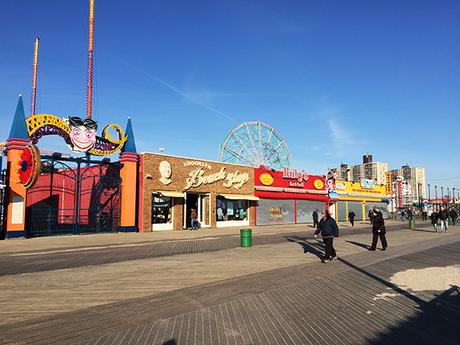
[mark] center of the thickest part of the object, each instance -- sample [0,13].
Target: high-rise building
[414,181]
[368,170]
[344,172]
[367,159]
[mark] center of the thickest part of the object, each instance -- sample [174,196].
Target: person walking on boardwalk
[315,218]
[410,214]
[329,230]
[453,215]
[351,217]
[424,215]
[434,220]
[443,217]
[370,215]
[378,230]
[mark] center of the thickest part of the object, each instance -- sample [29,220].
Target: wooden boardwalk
[302,303]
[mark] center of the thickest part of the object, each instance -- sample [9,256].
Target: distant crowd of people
[441,218]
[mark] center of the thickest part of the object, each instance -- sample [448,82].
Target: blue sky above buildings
[337,79]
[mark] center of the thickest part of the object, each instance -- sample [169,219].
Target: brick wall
[184,171]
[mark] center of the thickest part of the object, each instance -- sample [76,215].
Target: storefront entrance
[200,203]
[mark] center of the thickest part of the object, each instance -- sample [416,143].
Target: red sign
[289,184]
[299,176]
[399,181]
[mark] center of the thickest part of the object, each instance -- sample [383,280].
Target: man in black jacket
[351,217]
[378,229]
[329,230]
[453,215]
[434,220]
[444,218]
[315,218]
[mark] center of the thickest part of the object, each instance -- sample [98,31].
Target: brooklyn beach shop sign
[200,176]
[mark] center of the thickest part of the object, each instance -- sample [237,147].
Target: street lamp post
[419,185]
[436,196]
[453,196]
[442,196]
[429,193]
[448,196]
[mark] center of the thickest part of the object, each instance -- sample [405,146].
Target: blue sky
[337,79]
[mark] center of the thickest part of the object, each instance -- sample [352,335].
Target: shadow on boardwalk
[315,248]
[359,244]
[436,322]
[170,342]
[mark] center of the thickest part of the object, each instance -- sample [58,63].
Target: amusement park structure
[255,144]
[45,193]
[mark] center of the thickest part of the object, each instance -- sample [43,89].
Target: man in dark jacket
[434,220]
[329,230]
[378,229]
[453,215]
[443,217]
[351,217]
[315,218]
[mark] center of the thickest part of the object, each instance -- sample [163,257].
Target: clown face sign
[82,134]
[79,134]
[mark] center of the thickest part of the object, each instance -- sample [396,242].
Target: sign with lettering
[78,133]
[198,177]
[169,173]
[289,184]
[357,189]
[389,183]
[266,179]
[299,177]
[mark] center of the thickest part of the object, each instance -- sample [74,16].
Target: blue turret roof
[130,145]
[19,128]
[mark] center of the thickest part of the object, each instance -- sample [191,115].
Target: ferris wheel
[255,144]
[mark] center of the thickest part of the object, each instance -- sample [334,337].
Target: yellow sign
[352,189]
[318,184]
[389,183]
[266,179]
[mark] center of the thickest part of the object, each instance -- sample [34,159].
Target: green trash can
[246,238]
[411,224]
[450,221]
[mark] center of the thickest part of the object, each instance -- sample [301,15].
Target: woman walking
[329,230]
[378,229]
[434,220]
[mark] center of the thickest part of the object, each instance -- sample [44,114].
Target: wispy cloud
[191,97]
[340,134]
[342,138]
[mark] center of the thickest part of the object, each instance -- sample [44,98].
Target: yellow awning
[240,197]
[172,194]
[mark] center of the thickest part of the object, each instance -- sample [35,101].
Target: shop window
[161,209]
[231,209]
